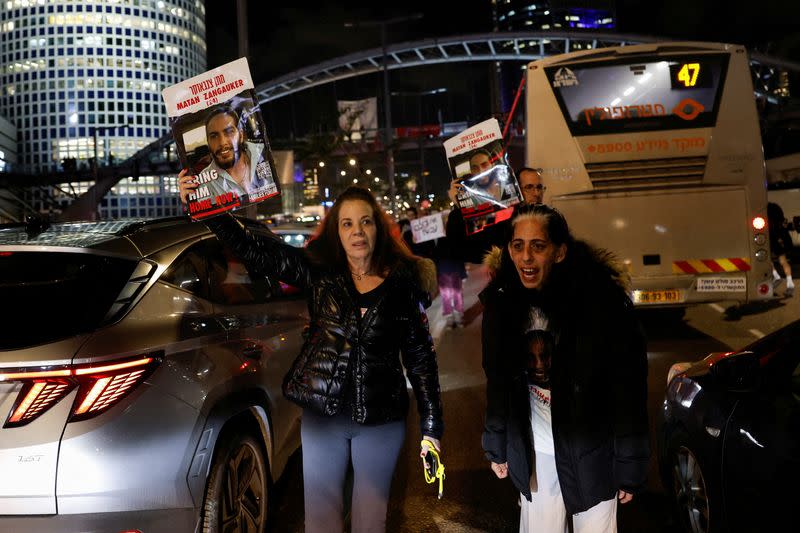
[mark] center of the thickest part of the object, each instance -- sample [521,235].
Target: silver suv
[140,377]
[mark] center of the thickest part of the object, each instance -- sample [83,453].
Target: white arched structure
[498,46]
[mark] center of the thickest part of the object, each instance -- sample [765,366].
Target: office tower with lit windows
[558,15]
[73,72]
[542,15]
[8,144]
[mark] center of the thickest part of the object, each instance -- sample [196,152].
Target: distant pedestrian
[421,249]
[450,273]
[780,244]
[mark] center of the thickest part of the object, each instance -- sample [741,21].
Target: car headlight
[683,391]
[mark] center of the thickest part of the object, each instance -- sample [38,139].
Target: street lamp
[387,138]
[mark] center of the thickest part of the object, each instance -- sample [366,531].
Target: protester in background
[366,297]
[421,249]
[566,370]
[530,183]
[780,243]
[404,225]
[450,273]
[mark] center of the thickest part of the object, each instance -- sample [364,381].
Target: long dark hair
[390,250]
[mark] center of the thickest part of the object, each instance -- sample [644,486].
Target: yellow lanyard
[436,470]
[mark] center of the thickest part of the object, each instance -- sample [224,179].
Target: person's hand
[624,497]
[425,446]
[186,185]
[452,192]
[500,470]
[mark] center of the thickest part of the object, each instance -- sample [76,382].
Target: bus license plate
[657,297]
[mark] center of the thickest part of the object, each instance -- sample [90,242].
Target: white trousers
[545,513]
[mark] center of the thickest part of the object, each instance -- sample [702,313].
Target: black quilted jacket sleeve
[419,358]
[496,417]
[266,254]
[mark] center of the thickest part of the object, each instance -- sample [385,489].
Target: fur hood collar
[426,271]
[493,259]
[419,275]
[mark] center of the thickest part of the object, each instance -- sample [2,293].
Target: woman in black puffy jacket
[367,296]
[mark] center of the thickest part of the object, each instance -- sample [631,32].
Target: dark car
[729,437]
[140,379]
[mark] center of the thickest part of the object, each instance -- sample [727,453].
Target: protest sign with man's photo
[221,139]
[486,184]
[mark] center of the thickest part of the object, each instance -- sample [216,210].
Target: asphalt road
[474,500]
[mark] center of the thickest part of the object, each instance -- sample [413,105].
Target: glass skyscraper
[75,70]
[560,15]
[574,16]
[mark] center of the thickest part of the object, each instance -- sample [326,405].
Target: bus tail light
[99,388]
[759,223]
[763,289]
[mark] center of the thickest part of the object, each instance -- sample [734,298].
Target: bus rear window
[47,296]
[648,95]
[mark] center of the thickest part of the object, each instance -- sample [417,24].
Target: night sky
[283,39]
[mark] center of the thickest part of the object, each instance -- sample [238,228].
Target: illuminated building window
[96,76]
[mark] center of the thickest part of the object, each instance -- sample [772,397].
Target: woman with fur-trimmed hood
[566,369]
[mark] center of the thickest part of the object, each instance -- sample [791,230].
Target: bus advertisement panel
[654,153]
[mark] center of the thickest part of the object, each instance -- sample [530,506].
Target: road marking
[757,333]
[717,308]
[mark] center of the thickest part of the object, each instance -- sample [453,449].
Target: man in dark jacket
[780,244]
[596,415]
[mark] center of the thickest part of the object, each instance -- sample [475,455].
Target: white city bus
[654,153]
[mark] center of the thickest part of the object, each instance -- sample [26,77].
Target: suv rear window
[49,295]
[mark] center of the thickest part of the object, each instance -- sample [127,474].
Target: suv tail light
[99,387]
